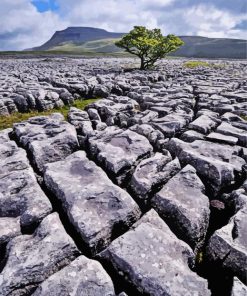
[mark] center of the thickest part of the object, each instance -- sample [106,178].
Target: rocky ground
[143,193]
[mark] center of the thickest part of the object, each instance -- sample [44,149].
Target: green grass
[9,120]
[195,64]
[244,117]
[95,46]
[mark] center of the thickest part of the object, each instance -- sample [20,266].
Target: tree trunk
[142,63]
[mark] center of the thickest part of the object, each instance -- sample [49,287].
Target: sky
[29,23]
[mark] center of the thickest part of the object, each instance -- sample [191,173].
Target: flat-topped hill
[95,40]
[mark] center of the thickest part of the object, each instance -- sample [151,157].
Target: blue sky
[29,23]
[43,6]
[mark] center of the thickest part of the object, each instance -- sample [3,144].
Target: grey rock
[208,113]
[151,173]
[241,125]
[101,126]
[9,228]
[93,114]
[21,102]
[170,124]
[238,96]
[47,138]
[149,132]
[47,100]
[229,130]
[82,277]
[20,194]
[145,117]
[203,124]
[217,164]
[94,205]
[80,120]
[216,137]
[184,207]
[30,259]
[191,136]
[158,262]
[238,289]
[228,116]
[119,151]
[228,245]
[4,135]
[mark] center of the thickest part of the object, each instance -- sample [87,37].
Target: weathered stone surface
[238,289]
[228,245]
[83,277]
[94,205]
[231,117]
[21,198]
[184,207]
[203,124]
[47,138]
[9,228]
[4,135]
[12,158]
[191,136]
[149,132]
[217,164]
[33,258]
[205,107]
[151,173]
[170,124]
[119,151]
[80,120]
[154,260]
[229,130]
[216,137]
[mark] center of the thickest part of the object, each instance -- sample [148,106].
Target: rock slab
[152,259]
[95,206]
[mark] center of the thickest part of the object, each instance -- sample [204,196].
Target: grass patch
[195,64]
[7,121]
[244,117]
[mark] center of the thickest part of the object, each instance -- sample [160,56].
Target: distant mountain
[94,40]
[77,36]
[202,47]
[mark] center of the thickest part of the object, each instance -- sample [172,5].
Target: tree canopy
[149,45]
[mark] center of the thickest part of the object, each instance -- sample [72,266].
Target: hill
[77,36]
[94,40]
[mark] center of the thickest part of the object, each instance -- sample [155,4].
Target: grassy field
[8,121]
[96,46]
[196,64]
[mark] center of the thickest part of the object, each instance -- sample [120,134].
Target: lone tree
[148,45]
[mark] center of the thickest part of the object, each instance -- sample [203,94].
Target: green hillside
[93,41]
[96,46]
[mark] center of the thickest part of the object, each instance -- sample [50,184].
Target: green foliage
[8,120]
[244,117]
[149,45]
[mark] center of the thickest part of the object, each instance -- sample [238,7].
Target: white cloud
[213,22]
[22,26]
[121,16]
[112,15]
